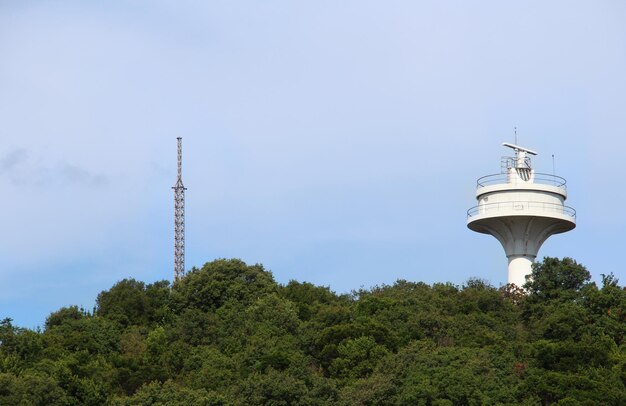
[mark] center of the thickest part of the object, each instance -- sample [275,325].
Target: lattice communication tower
[179,218]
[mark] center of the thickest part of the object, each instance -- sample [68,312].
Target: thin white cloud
[22,170]
[72,174]
[13,159]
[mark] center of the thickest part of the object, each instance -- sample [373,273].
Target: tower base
[519,267]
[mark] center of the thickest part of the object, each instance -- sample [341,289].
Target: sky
[337,143]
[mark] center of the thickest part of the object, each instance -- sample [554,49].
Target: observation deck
[528,199]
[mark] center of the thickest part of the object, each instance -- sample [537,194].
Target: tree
[357,357]
[557,279]
[170,394]
[607,307]
[94,335]
[130,302]
[307,297]
[228,334]
[32,389]
[64,314]
[219,281]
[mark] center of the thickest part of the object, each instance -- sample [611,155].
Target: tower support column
[519,267]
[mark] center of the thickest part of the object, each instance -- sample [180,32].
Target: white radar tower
[521,209]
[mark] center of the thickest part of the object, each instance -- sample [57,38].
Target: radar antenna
[521,162]
[518,149]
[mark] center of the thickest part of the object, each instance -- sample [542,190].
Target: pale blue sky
[334,142]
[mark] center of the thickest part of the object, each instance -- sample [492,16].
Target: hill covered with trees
[228,334]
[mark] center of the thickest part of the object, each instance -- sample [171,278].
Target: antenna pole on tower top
[179,218]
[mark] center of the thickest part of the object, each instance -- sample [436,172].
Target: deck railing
[540,178]
[489,208]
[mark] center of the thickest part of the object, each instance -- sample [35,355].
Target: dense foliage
[228,334]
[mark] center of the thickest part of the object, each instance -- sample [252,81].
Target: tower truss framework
[179,218]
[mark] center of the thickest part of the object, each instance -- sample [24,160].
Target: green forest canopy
[228,334]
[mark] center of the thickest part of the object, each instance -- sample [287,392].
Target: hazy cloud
[72,174]
[22,170]
[12,160]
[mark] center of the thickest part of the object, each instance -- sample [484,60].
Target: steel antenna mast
[179,218]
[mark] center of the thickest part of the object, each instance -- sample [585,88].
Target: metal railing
[487,208]
[539,178]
